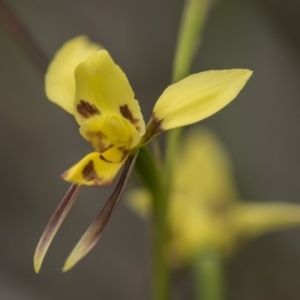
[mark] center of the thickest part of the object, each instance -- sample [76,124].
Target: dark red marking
[104,159]
[154,127]
[125,152]
[89,172]
[87,110]
[127,114]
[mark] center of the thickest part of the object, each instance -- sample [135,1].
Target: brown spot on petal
[104,159]
[103,182]
[154,128]
[86,109]
[155,124]
[89,172]
[98,140]
[100,182]
[127,114]
[125,152]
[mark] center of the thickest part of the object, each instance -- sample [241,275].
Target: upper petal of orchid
[59,79]
[103,89]
[195,98]
[96,169]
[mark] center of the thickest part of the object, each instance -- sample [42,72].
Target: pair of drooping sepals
[84,80]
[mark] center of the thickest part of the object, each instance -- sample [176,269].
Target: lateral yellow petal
[93,170]
[59,79]
[257,218]
[197,97]
[103,89]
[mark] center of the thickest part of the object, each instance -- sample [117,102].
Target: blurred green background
[39,141]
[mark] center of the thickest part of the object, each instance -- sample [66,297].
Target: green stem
[208,276]
[151,175]
[192,24]
[190,32]
[161,271]
[190,28]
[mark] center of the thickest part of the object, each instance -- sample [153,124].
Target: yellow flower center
[112,136]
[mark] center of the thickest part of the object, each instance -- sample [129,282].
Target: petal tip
[53,226]
[72,260]
[37,263]
[248,73]
[245,74]
[64,175]
[67,266]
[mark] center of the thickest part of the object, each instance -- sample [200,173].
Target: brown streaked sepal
[93,233]
[54,224]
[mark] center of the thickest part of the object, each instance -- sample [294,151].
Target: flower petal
[103,89]
[53,225]
[196,98]
[258,218]
[93,233]
[204,170]
[59,79]
[95,169]
[112,131]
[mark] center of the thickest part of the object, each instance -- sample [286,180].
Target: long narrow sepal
[93,233]
[53,225]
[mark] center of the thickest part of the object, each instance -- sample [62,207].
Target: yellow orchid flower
[204,211]
[84,80]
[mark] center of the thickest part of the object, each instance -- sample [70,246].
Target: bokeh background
[39,141]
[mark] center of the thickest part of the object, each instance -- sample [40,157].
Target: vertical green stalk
[150,174]
[190,34]
[192,22]
[208,276]
[161,271]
